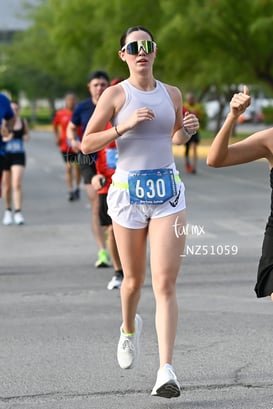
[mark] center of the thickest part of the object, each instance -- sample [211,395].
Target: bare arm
[26,134]
[7,129]
[56,129]
[183,128]
[97,181]
[57,135]
[71,134]
[256,146]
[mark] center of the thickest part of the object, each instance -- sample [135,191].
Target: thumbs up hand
[240,102]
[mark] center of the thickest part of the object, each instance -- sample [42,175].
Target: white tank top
[149,144]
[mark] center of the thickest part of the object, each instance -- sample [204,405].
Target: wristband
[187,133]
[117,132]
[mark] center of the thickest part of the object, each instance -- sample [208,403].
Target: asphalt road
[59,325]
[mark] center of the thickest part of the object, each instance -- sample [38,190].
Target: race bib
[152,186]
[111,157]
[14,146]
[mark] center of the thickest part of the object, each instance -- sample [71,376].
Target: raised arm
[254,147]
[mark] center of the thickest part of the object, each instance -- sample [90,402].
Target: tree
[203,45]
[218,44]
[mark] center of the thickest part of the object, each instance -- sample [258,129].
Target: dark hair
[131,30]
[98,74]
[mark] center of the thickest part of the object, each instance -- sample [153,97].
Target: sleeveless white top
[149,144]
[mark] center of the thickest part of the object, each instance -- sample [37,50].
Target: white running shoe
[166,385]
[115,282]
[7,219]
[128,346]
[18,218]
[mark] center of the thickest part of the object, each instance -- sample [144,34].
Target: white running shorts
[137,216]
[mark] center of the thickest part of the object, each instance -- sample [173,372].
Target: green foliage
[201,43]
[268,115]
[43,116]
